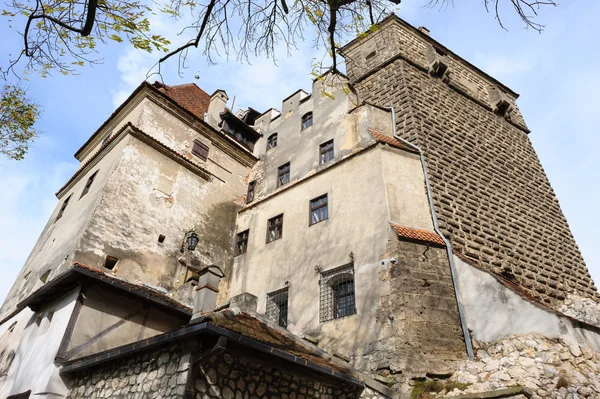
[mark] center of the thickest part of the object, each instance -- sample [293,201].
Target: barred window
[337,296]
[63,207]
[318,209]
[326,152]
[88,184]
[275,228]
[283,174]
[241,244]
[277,306]
[272,141]
[200,150]
[250,194]
[307,120]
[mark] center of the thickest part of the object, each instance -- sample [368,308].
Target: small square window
[241,243]
[307,120]
[283,174]
[277,306]
[272,141]
[88,184]
[161,238]
[318,209]
[110,262]
[326,152]
[250,194]
[200,150]
[275,228]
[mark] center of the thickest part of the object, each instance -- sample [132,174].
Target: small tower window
[250,194]
[88,184]
[307,120]
[241,245]
[272,141]
[326,152]
[275,228]
[63,207]
[283,174]
[110,262]
[318,209]
[277,306]
[200,150]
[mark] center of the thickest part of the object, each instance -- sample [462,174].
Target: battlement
[396,39]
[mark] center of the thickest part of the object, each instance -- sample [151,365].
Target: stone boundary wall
[492,197]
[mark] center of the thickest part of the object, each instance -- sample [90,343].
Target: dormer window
[272,141]
[307,120]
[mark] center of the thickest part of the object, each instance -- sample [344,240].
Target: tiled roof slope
[382,138]
[188,95]
[418,234]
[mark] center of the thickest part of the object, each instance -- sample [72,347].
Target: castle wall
[28,349]
[148,195]
[167,371]
[492,197]
[54,248]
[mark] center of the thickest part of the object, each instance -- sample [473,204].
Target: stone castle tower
[397,235]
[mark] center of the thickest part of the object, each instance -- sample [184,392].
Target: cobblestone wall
[492,197]
[164,374]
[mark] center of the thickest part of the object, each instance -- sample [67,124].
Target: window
[337,296]
[161,238]
[110,262]
[200,150]
[241,244]
[63,207]
[272,141]
[275,228]
[326,152]
[307,120]
[250,194]
[318,209]
[283,175]
[88,184]
[277,306]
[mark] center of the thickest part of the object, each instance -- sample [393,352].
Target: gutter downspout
[461,311]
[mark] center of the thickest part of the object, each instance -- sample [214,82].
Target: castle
[392,234]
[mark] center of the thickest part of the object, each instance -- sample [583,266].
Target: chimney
[205,293]
[217,104]
[424,30]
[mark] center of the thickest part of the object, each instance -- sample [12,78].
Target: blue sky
[555,73]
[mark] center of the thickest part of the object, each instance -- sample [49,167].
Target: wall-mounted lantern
[192,241]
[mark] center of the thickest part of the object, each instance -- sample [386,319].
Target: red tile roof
[188,95]
[382,138]
[418,235]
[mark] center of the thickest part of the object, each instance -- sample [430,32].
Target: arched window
[272,141]
[307,120]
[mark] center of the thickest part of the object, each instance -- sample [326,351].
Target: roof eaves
[383,138]
[418,234]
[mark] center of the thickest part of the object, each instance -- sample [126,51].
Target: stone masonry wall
[492,197]
[165,373]
[419,317]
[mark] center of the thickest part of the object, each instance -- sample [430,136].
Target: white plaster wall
[36,346]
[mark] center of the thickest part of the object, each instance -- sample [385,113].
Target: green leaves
[17,118]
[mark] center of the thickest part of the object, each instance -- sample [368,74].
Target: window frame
[272,138]
[318,207]
[199,153]
[329,152]
[280,174]
[307,116]
[242,237]
[63,207]
[251,191]
[274,310]
[275,223]
[88,184]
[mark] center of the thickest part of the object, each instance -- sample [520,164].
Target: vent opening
[110,262]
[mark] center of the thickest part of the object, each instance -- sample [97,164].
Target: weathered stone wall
[550,368]
[421,330]
[492,197]
[166,373]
